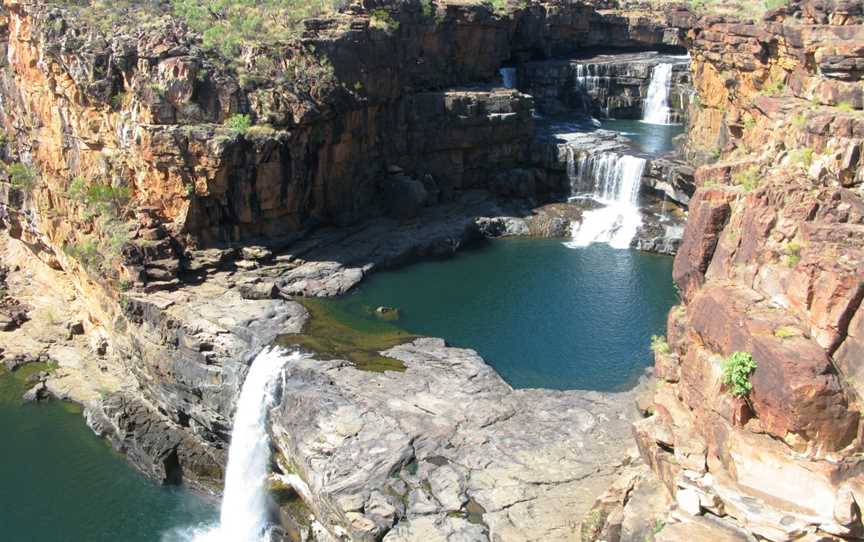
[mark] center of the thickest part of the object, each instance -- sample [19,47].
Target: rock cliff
[771,265]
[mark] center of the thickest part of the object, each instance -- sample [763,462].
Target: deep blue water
[542,314]
[61,483]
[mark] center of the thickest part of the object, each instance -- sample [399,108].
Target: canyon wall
[771,265]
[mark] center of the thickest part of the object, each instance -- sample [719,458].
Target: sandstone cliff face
[772,264]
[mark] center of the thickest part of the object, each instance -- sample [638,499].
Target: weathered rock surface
[445,450]
[772,265]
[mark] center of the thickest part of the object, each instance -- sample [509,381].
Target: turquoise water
[542,314]
[61,483]
[651,139]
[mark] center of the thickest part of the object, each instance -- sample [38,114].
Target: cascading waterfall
[508,77]
[613,180]
[656,105]
[245,513]
[587,83]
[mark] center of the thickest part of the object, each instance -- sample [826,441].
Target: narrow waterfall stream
[656,107]
[612,180]
[245,503]
[508,77]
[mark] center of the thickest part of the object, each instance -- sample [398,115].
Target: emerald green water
[61,483]
[542,314]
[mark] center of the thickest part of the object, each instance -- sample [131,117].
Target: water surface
[542,314]
[651,139]
[61,483]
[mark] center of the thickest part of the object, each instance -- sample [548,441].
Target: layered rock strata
[771,265]
[605,86]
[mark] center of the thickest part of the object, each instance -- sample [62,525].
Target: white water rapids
[612,180]
[245,508]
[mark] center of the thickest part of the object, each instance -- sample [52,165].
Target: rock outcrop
[444,449]
[771,265]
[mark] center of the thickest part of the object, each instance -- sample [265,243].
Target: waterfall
[656,105]
[508,77]
[613,180]
[245,509]
[587,84]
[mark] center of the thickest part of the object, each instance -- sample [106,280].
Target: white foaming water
[656,105]
[613,180]
[588,83]
[244,515]
[508,77]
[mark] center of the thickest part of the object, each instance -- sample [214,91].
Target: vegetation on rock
[748,179]
[227,25]
[239,123]
[21,176]
[736,373]
[659,344]
[380,19]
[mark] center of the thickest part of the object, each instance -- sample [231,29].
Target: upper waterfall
[508,77]
[656,105]
[245,513]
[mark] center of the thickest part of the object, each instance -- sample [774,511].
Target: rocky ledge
[445,450]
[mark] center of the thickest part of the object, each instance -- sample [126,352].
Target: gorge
[181,193]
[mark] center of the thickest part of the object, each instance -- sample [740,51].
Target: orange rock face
[772,264]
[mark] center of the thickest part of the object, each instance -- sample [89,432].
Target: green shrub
[238,123]
[380,19]
[775,4]
[799,121]
[310,74]
[748,179]
[784,332]
[736,373]
[846,107]
[98,198]
[659,344]
[87,252]
[21,176]
[427,8]
[749,122]
[116,236]
[791,253]
[119,101]
[227,25]
[774,87]
[592,524]
[802,157]
[500,7]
